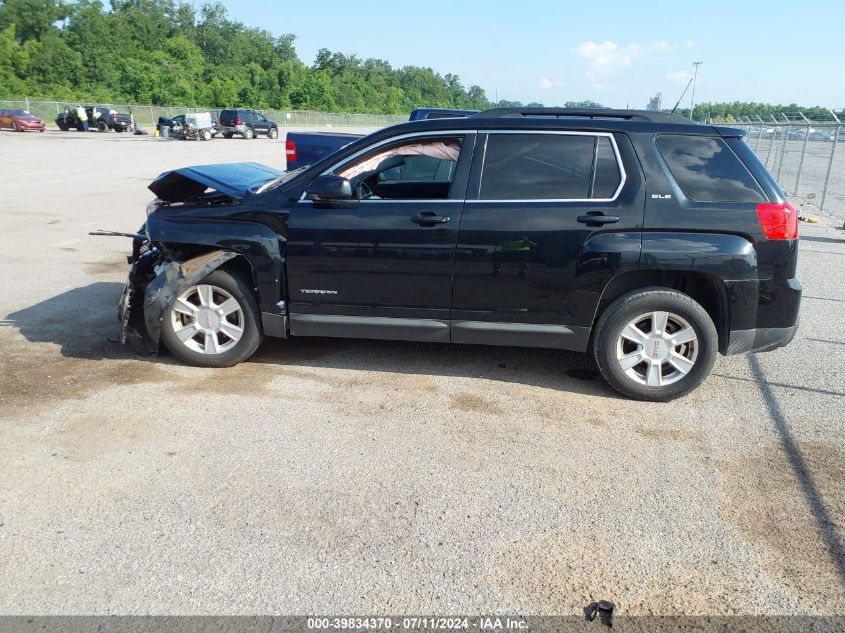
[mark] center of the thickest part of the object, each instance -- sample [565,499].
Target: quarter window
[607,176]
[549,167]
[707,170]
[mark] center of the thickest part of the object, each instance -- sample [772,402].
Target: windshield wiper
[272,184]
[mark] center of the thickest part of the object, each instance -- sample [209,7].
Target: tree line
[168,52]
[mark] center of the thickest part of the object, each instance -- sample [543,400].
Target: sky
[617,53]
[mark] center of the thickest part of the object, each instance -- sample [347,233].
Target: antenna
[682,95]
[692,98]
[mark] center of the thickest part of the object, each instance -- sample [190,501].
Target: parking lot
[356,476]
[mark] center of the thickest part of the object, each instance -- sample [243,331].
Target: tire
[102,126]
[206,135]
[274,133]
[249,133]
[64,128]
[15,127]
[655,367]
[245,316]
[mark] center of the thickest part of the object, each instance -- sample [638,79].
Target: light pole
[692,98]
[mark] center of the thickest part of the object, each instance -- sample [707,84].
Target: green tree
[32,18]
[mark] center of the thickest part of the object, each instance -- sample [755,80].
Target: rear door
[227,118]
[261,125]
[550,217]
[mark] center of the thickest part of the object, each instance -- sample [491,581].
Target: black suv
[247,123]
[100,118]
[650,242]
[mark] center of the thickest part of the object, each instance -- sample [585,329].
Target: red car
[21,121]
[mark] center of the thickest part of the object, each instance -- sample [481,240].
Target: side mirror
[327,188]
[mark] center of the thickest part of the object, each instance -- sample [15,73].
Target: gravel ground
[352,476]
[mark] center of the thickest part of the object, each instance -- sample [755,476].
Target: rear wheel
[274,132]
[213,323]
[655,344]
[248,133]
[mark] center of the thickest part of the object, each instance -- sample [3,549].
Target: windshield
[20,113]
[285,177]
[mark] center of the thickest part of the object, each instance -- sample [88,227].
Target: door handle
[429,217]
[597,218]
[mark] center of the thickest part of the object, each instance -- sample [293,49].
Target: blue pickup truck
[306,148]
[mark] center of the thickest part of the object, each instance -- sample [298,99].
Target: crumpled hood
[231,179]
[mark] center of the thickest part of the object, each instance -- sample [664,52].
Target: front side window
[418,169]
[707,170]
[549,167]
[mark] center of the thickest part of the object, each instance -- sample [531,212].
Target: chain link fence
[807,157]
[147,115]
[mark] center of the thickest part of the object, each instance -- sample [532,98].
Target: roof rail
[585,113]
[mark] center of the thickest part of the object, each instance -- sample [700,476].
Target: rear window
[707,170]
[549,167]
[228,116]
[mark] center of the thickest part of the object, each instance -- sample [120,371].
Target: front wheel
[655,344]
[102,126]
[214,323]
[15,127]
[274,132]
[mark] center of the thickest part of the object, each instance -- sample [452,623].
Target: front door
[549,218]
[380,265]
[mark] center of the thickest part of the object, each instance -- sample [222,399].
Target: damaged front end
[154,283]
[189,233]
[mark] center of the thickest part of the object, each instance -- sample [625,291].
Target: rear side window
[707,170]
[549,167]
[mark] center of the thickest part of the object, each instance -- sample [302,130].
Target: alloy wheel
[207,319]
[657,348]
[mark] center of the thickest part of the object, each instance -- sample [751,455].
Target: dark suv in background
[638,237]
[247,123]
[100,118]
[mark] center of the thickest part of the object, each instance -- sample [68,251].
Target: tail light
[779,220]
[237,121]
[113,116]
[290,149]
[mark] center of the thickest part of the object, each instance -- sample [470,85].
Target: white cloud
[545,83]
[607,59]
[679,76]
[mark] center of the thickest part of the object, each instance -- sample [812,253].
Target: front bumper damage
[153,285]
